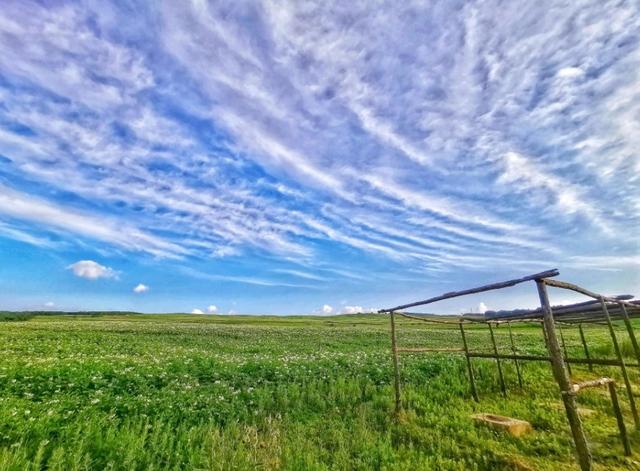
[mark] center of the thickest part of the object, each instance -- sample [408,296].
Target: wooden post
[396,369]
[632,334]
[497,357]
[562,378]
[618,413]
[513,349]
[623,367]
[544,336]
[564,349]
[472,380]
[584,345]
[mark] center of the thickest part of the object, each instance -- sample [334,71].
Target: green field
[218,392]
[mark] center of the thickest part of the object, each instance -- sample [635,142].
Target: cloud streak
[332,136]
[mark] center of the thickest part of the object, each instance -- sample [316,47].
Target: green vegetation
[193,392]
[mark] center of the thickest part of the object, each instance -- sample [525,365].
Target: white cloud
[326,309]
[197,311]
[140,288]
[482,308]
[299,274]
[352,309]
[249,280]
[570,72]
[27,207]
[567,197]
[91,270]
[481,132]
[49,304]
[18,234]
[212,309]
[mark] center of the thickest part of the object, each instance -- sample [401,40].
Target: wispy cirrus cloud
[331,135]
[25,207]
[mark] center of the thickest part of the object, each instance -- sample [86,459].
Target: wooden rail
[596,311]
[480,289]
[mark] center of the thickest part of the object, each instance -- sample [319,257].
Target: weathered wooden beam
[472,380]
[623,368]
[396,368]
[584,346]
[513,349]
[562,378]
[577,387]
[429,320]
[615,405]
[429,350]
[564,349]
[509,357]
[480,289]
[573,312]
[632,335]
[586,292]
[503,386]
[579,361]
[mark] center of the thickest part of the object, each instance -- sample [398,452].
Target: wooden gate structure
[603,310]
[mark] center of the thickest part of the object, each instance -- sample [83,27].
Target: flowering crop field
[230,392]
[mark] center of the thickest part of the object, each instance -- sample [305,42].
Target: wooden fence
[601,310]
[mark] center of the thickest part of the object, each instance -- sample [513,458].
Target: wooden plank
[429,350]
[480,289]
[580,361]
[584,346]
[577,387]
[396,368]
[430,320]
[562,378]
[472,380]
[513,349]
[586,292]
[564,349]
[503,386]
[632,335]
[623,368]
[615,404]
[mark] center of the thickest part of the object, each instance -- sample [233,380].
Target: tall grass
[179,392]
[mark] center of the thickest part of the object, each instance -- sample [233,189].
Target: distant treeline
[15,316]
[8,316]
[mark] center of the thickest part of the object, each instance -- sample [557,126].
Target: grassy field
[194,392]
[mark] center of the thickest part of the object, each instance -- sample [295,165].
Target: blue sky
[315,157]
